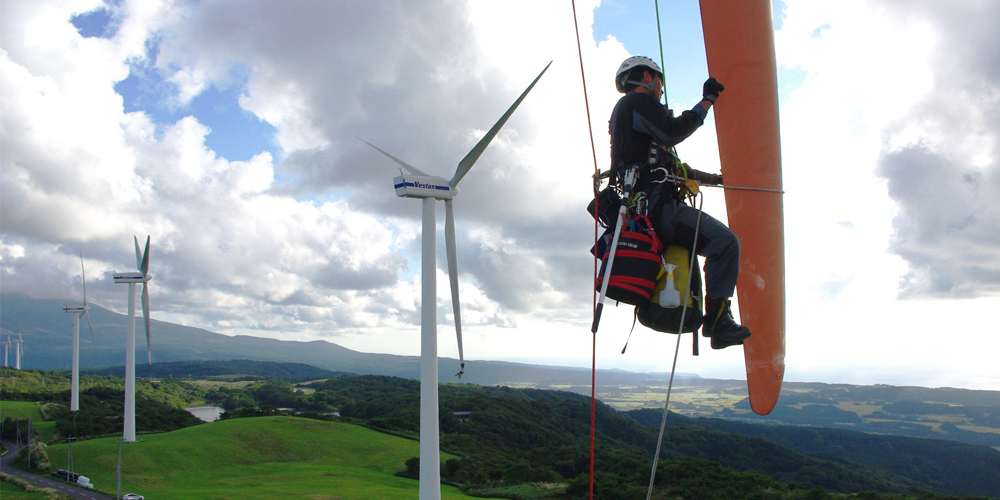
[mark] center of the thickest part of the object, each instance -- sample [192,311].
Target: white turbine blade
[91,325]
[144,265]
[138,254]
[83,273]
[470,159]
[451,250]
[145,316]
[409,168]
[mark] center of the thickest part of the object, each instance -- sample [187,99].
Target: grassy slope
[19,410]
[10,491]
[254,458]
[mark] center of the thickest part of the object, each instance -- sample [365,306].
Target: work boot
[719,324]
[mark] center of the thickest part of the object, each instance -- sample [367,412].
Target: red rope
[597,172]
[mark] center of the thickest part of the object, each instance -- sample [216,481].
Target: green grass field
[10,491]
[254,458]
[19,410]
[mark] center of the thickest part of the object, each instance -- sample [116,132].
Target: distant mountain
[199,370]
[945,413]
[47,333]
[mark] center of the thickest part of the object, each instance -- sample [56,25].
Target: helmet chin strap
[648,86]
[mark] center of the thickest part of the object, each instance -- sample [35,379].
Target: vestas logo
[424,185]
[129,278]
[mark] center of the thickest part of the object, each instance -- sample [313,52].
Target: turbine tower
[142,262]
[74,400]
[18,351]
[431,189]
[6,350]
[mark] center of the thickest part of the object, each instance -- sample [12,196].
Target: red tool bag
[636,265]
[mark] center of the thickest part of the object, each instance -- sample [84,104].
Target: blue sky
[236,134]
[227,132]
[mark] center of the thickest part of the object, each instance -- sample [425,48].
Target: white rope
[677,348]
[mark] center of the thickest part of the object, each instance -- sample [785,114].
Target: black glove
[711,89]
[717,179]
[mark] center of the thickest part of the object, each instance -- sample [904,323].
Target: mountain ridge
[40,323]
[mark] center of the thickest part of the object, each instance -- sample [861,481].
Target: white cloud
[311,238]
[941,160]
[312,242]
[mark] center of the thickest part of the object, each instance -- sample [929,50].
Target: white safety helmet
[633,62]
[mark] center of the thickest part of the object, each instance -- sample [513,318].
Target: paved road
[73,492]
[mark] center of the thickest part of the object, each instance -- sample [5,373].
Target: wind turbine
[6,349]
[74,400]
[430,189]
[142,262]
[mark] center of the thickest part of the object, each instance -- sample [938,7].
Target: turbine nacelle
[76,309]
[424,186]
[132,277]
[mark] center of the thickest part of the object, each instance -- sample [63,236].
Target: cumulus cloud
[941,158]
[311,240]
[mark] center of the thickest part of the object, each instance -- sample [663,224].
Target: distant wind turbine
[74,401]
[432,188]
[6,349]
[143,276]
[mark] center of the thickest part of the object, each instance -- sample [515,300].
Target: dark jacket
[637,120]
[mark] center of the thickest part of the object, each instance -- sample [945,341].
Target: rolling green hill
[505,442]
[517,431]
[254,458]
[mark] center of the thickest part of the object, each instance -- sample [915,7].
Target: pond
[206,413]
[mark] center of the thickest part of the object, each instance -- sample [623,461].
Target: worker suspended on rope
[643,134]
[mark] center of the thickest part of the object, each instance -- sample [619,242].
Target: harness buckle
[660,171]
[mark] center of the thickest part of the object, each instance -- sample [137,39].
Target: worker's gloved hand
[717,179]
[711,89]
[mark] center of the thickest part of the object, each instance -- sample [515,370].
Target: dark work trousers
[675,223]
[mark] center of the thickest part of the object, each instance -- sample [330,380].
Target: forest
[510,441]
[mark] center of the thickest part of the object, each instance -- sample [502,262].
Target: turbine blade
[138,254]
[83,272]
[91,325]
[470,159]
[450,246]
[145,316]
[144,266]
[409,168]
